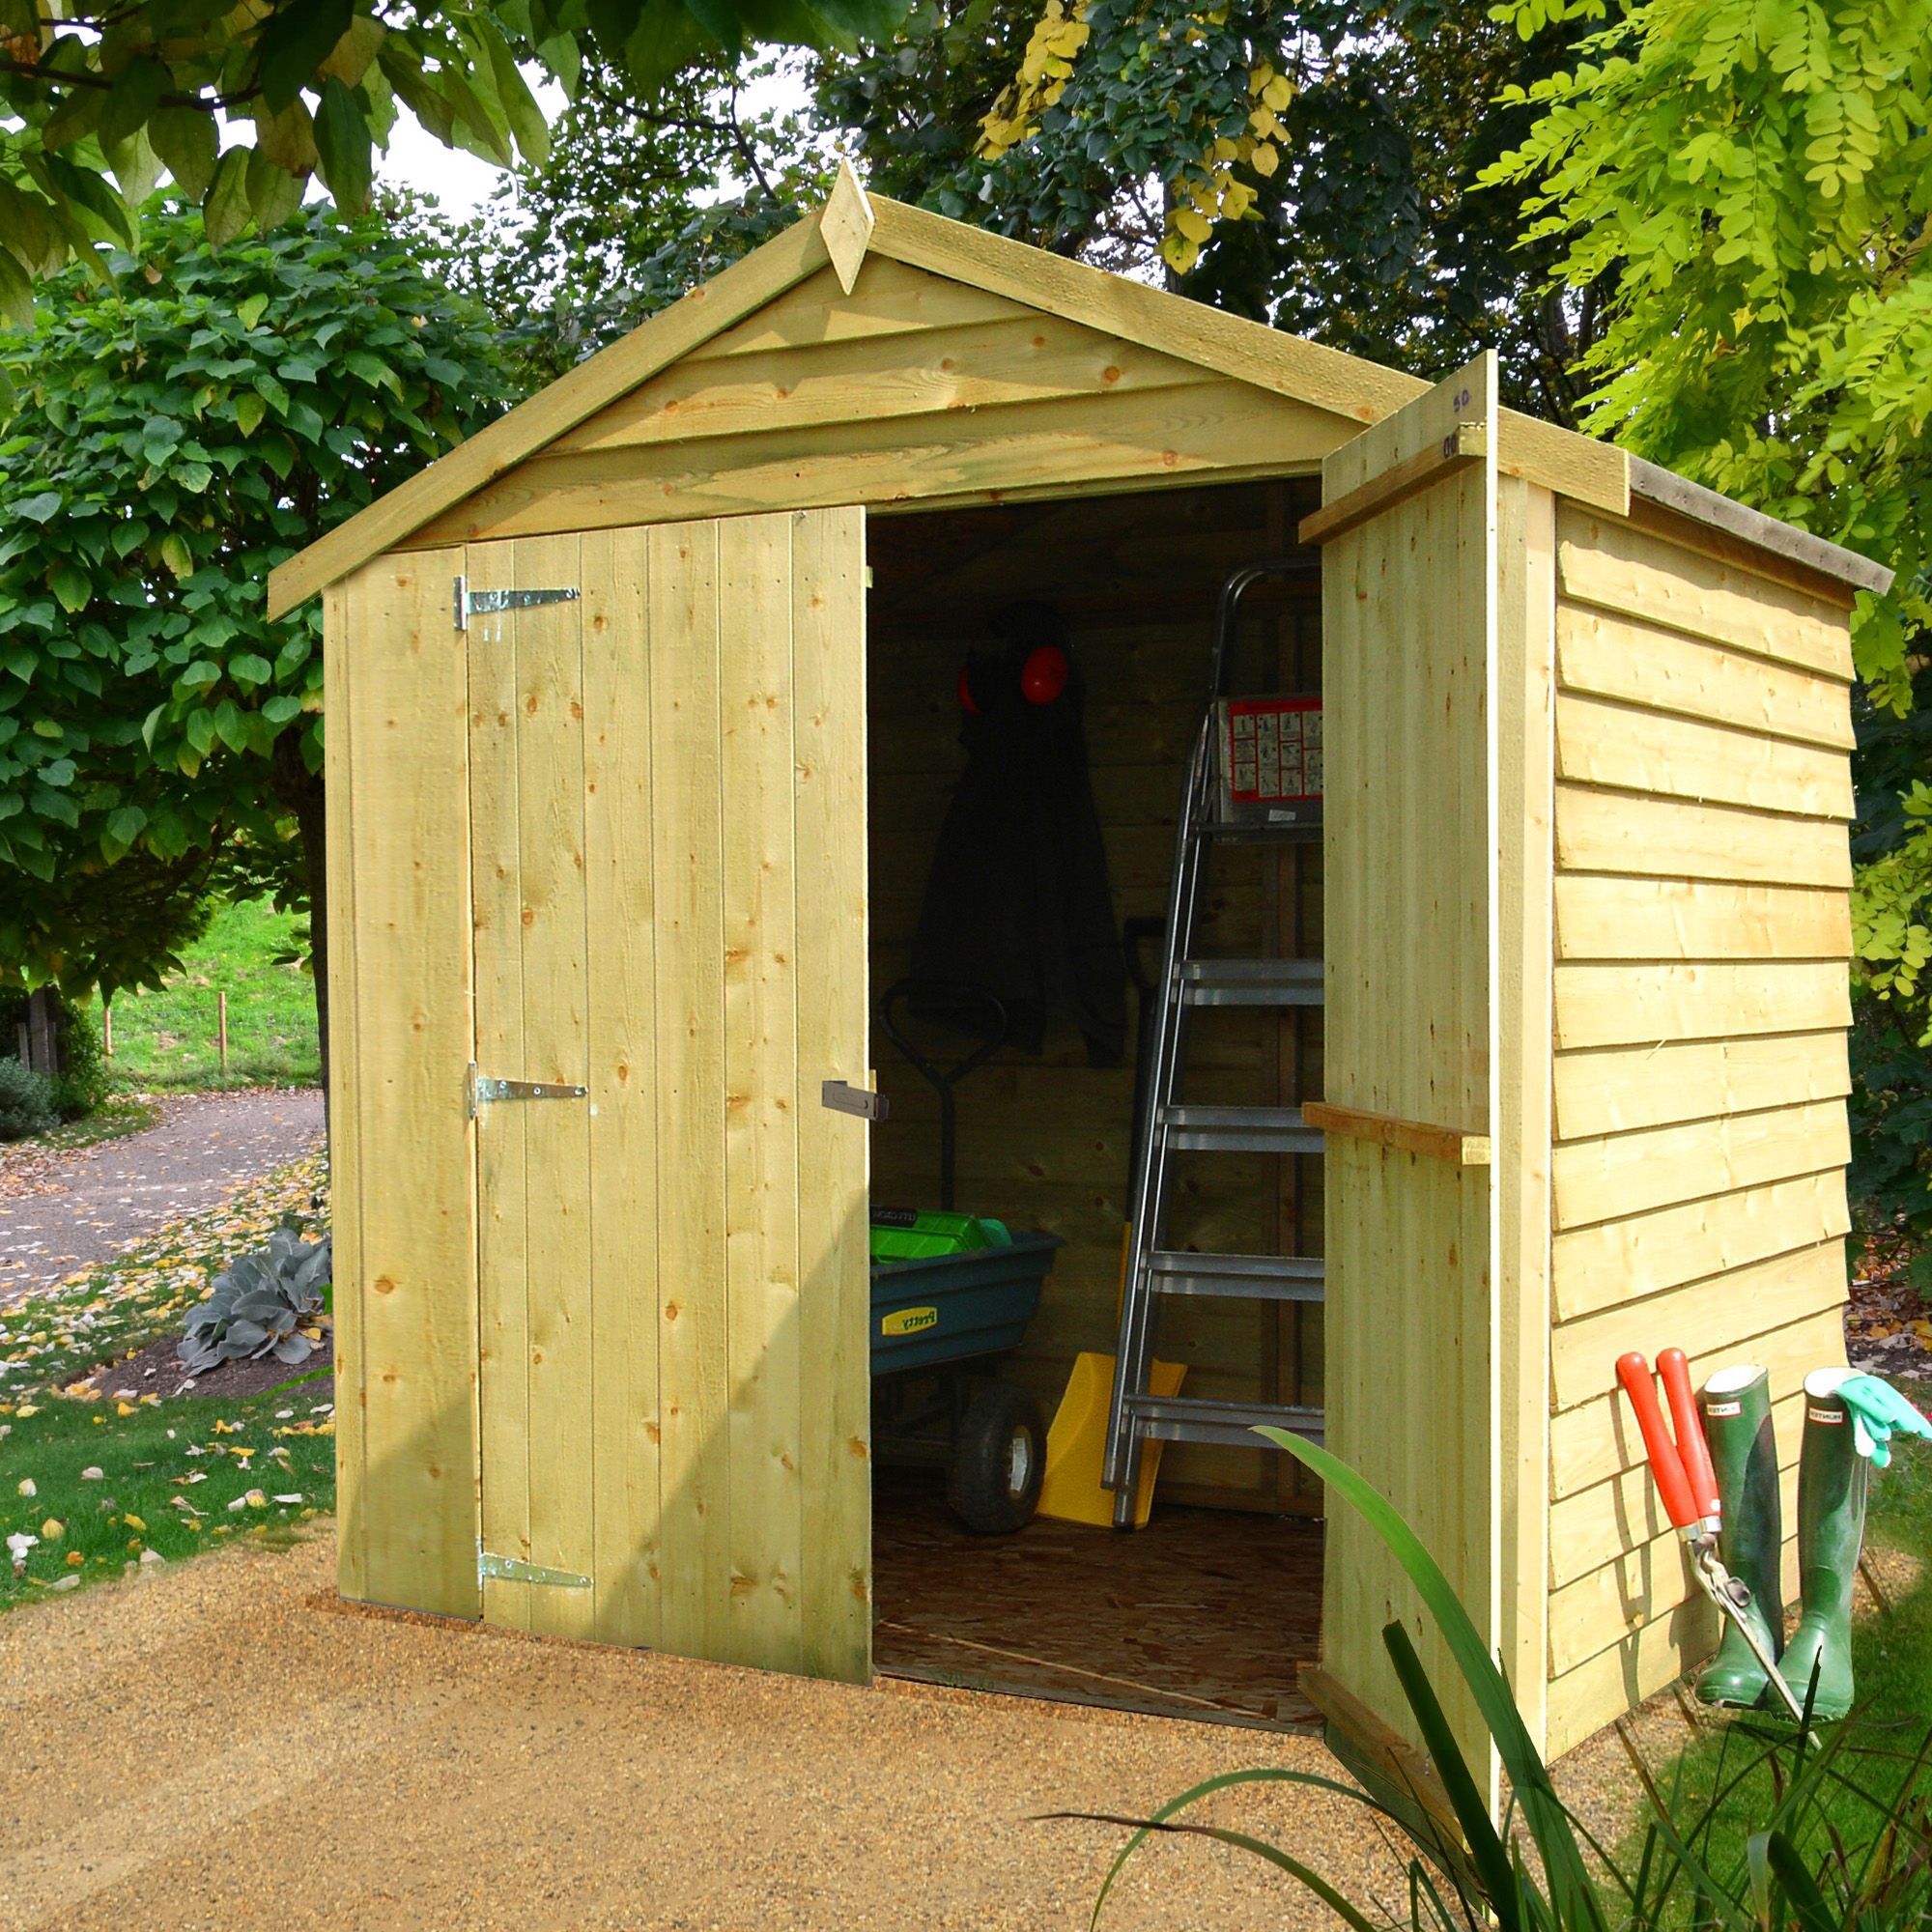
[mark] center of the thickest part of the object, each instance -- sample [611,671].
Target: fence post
[221,1020]
[106,1031]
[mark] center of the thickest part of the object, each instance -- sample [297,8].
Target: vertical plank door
[1409,638]
[669,861]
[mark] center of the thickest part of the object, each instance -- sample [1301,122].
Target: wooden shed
[1581,895]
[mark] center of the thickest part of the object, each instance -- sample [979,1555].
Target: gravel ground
[225,1743]
[64,1212]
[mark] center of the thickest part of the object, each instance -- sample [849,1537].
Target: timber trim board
[1464,444]
[1385,1762]
[1655,484]
[1421,1137]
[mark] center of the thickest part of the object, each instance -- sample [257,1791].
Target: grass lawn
[104,1481]
[168,1039]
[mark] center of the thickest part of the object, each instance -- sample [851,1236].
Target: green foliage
[100,99]
[1803,1861]
[1756,181]
[256,1308]
[637,200]
[1759,180]
[82,1084]
[175,438]
[26,1101]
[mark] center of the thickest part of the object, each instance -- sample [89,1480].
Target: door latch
[842,1098]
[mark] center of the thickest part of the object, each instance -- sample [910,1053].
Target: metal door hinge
[845,1098]
[485,1090]
[514,1570]
[478,603]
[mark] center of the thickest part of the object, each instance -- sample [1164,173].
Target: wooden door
[666,796]
[1409,638]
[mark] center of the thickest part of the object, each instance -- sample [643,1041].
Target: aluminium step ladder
[1211,811]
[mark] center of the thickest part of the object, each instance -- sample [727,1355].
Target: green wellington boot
[1830,1527]
[1736,1408]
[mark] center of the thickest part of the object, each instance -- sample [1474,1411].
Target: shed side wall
[1702,931]
[912,389]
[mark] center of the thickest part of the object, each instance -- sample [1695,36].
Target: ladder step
[1251,983]
[1177,1418]
[1240,1129]
[1237,1277]
[1256,832]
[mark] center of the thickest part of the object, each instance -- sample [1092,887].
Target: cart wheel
[998,1460]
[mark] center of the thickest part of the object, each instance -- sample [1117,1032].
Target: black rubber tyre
[998,1460]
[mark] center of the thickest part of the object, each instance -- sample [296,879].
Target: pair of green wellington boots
[1736,1409]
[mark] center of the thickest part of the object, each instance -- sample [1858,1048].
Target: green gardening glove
[1879,1412]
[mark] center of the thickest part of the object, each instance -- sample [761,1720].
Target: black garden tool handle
[958,1001]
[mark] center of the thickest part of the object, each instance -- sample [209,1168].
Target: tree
[107,96]
[637,200]
[1757,182]
[1313,166]
[175,437]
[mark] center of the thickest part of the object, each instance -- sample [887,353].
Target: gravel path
[223,1743]
[61,1215]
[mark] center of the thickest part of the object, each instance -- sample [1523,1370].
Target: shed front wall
[1702,934]
[616,842]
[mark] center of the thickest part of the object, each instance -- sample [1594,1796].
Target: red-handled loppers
[1688,1482]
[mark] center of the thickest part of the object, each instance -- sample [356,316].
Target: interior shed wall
[913,389]
[1703,925]
[1044,1141]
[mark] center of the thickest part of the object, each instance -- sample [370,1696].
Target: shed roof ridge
[1313,374]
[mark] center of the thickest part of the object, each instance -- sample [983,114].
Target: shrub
[255,1307]
[26,1102]
[82,1084]
[1543,1871]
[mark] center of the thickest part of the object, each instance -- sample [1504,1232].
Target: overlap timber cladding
[1703,927]
[1043,1142]
[913,389]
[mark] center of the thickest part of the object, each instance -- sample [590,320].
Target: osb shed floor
[226,1744]
[1204,1613]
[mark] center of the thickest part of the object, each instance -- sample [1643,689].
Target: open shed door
[668,839]
[1410,637]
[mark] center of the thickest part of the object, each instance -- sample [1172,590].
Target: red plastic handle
[1665,1465]
[1692,1450]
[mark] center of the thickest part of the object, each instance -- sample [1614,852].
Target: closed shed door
[668,840]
